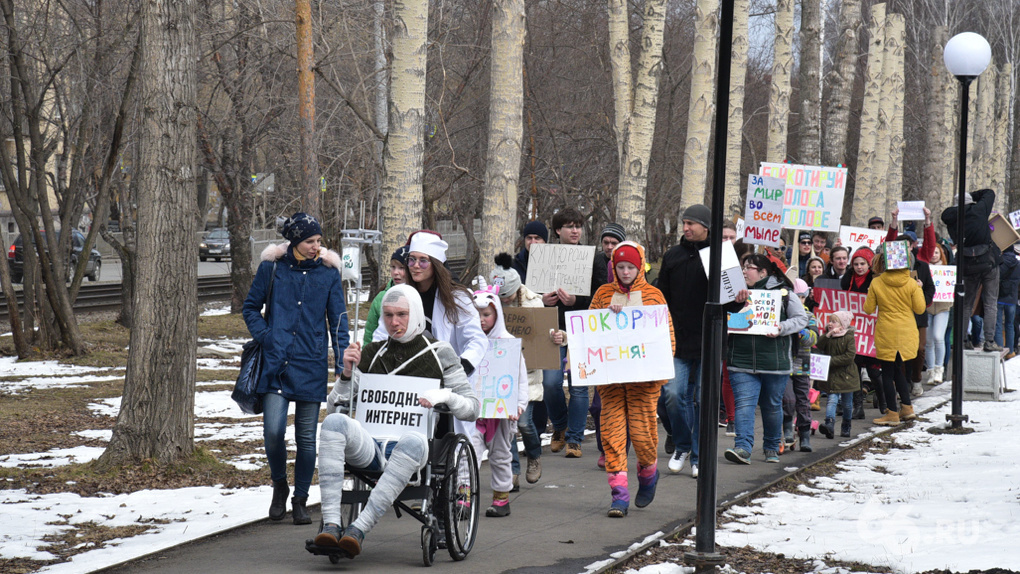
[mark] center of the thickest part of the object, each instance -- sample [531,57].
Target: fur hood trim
[273,252]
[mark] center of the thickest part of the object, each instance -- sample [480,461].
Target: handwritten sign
[760,315]
[740,227]
[814,194]
[388,404]
[626,347]
[896,254]
[499,375]
[763,211]
[820,367]
[944,277]
[1014,218]
[910,210]
[732,277]
[855,237]
[832,300]
[531,325]
[551,267]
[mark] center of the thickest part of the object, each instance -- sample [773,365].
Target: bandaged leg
[341,439]
[408,456]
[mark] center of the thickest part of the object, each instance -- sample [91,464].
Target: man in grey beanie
[602,273]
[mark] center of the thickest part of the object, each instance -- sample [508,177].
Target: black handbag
[244,393]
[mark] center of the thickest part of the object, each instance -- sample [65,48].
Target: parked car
[215,244]
[16,258]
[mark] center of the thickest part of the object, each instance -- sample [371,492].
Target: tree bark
[156,419]
[809,132]
[506,126]
[866,190]
[939,134]
[895,41]
[979,170]
[883,141]
[620,66]
[701,111]
[306,109]
[1000,156]
[841,82]
[735,121]
[779,97]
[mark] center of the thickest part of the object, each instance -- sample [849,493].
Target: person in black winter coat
[533,232]
[1009,282]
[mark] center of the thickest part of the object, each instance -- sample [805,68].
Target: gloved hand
[339,399]
[436,396]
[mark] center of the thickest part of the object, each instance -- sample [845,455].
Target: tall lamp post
[966,56]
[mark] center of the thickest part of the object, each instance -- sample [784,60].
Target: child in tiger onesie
[630,406]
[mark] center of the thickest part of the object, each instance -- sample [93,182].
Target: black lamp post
[966,55]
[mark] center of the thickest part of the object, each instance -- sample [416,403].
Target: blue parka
[307,297]
[1009,277]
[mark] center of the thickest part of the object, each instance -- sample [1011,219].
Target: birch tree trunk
[402,160]
[809,132]
[735,122]
[506,105]
[983,129]
[866,191]
[701,112]
[1001,146]
[883,142]
[619,60]
[951,111]
[939,135]
[841,85]
[779,96]
[896,38]
[156,419]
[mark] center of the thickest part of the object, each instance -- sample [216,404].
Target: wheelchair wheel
[428,545]
[458,506]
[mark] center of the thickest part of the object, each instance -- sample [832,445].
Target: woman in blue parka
[305,315]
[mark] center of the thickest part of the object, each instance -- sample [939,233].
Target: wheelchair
[446,489]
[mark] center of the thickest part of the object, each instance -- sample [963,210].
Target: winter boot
[889,419]
[907,413]
[805,441]
[858,405]
[621,496]
[844,430]
[278,508]
[500,505]
[298,510]
[788,435]
[648,479]
[827,427]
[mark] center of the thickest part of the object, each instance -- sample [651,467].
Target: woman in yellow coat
[898,297]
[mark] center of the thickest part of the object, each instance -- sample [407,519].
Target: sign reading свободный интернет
[631,346]
[388,404]
[813,197]
[551,267]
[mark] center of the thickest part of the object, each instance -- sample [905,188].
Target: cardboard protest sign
[732,277]
[388,404]
[814,194]
[551,267]
[910,210]
[1003,234]
[832,300]
[499,376]
[854,237]
[531,325]
[626,347]
[760,315]
[944,277]
[1014,219]
[820,367]
[763,210]
[896,254]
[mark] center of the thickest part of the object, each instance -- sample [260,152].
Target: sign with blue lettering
[499,376]
[631,346]
[814,194]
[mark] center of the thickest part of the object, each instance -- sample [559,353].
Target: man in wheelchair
[408,351]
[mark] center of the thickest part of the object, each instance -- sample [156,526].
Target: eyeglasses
[420,263]
[751,268]
[808,242]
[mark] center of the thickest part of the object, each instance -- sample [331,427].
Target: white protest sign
[944,277]
[813,197]
[388,404]
[910,210]
[760,315]
[1014,218]
[551,267]
[499,376]
[626,347]
[763,211]
[740,227]
[352,263]
[855,237]
[820,367]
[732,277]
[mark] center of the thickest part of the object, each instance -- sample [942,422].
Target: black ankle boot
[298,510]
[826,428]
[858,405]
[844,431]
[278,508]
[805,441]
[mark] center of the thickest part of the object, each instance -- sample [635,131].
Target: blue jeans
[1004,321]
[753,389]
[681,398]
[848,405]
[274,430]
[530,436]
[574,417]
[935,343]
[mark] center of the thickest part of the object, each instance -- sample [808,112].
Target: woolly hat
[804,235]
[843,320]
[877,219]
[698,214]
[627,252]
[401,255]
[864,252]
[800,287]
[299,227]
[614,230]
[536,228]
[429,243]
[505,276]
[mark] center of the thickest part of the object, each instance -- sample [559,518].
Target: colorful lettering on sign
[627,320]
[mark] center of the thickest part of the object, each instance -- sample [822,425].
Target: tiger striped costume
[630,406]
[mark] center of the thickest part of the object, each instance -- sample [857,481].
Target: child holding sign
[498,433]
[630,407]
[843,382]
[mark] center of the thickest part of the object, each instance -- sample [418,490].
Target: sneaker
[991,347]
[677,461]
[351,541]
[968,346]
[601,463]
[694,471]
[771,456]
[330,535]
[573,450]
[534,470]
[669,446]
[515,486]
[738,455]
[559,440]
[730,429]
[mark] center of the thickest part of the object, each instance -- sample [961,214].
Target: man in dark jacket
[980,259]
[1009,283]
[533,232]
